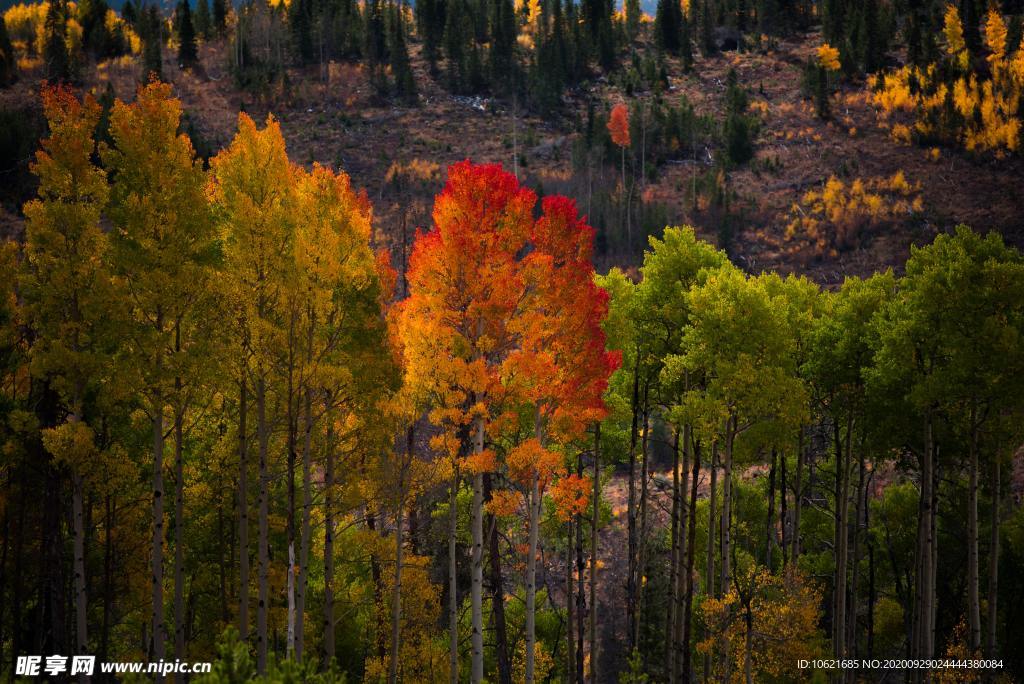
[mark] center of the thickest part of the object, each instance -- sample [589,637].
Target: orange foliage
[618,125]
[571,495]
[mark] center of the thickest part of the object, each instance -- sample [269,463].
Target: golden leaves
[840,214]
[947,102]
[828,57]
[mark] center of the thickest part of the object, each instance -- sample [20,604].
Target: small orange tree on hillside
[618,128]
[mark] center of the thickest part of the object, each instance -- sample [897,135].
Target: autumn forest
[494,341]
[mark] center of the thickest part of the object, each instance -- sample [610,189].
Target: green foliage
[235,665]
[151,33]
[739,128]
[55,47]
[204,22]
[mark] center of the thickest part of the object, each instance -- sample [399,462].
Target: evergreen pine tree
[872,39]
[666,25]
[455,39]
[204,22]
[376,50]
[401,69]
[300,21]
[8,61]
[685,40]
[738,132]
[632,19]
[187,54]
[503,44]
[152,43]
[55,48]
[430,26]
[220,16]
[914,34]
[92,15]
[832,23]
[129,13]
[707,29]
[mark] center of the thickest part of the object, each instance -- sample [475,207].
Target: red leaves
[504,315]
[618,125]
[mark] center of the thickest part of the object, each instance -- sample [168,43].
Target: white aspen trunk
[329,548]
[305,530]
[263,595]
[973,591]
[81,634]
[157,542]
[477,569]
[243,515]
[179,539]
[396,601]
[993,563]
[533,506]
[453,598]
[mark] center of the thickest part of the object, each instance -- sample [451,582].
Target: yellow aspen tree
[164,248]
[70,298]
[253,195]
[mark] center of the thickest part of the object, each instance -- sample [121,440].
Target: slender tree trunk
[672,614]
[595,507]
[263,595]
[784,510]
[973,589]
[642,532]
[476,574]
[861,503]
[933,557]
[329,547]
[396,597]
[631,513]
[292,457]
[378,588]
[497,587]
[993,563]
[81,635]
[306,531]
[682,579]
[922,586]
[580,586]
[223,561]
[747,664]
[453,597]
[108,577]
[570,635]
[841,539]
[396,600]
[769,538]
[157,554]
[243,512]
[691,536]
[453,579]
[709,573]
[798,494]
[533,504]
[730,435]
[872,598]
[179,536]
